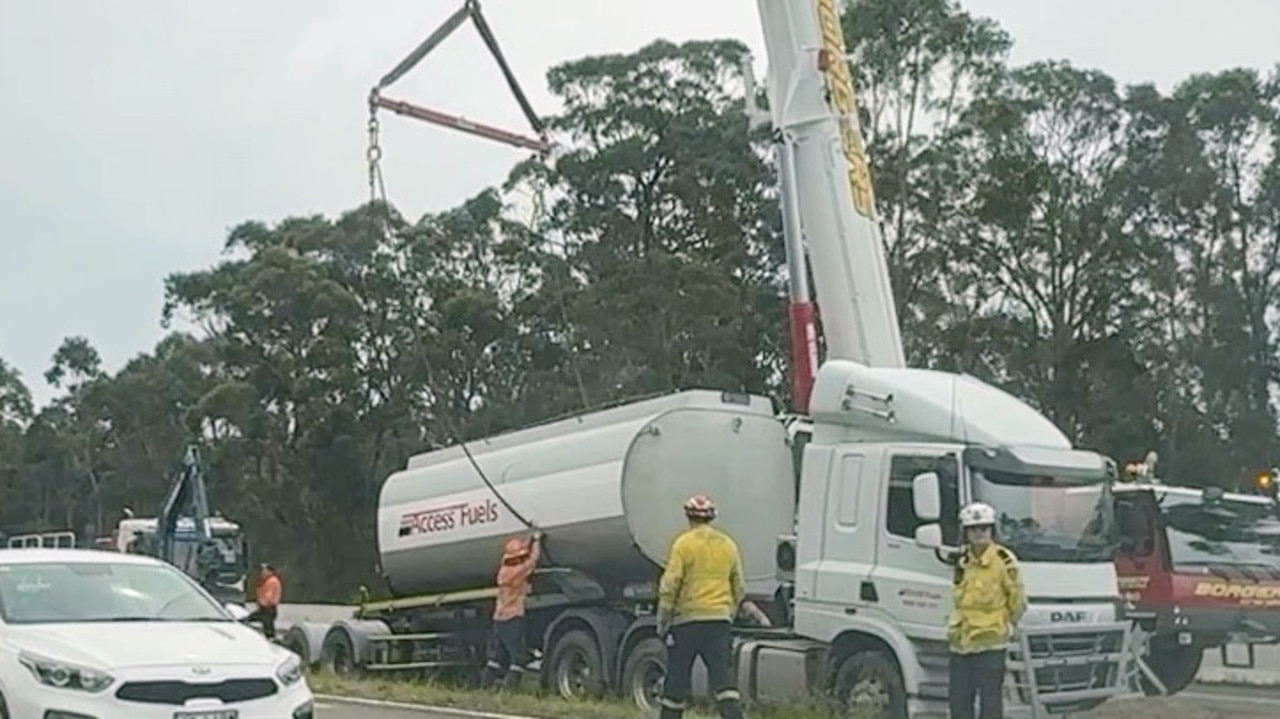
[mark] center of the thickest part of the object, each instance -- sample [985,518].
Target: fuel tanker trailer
[606,488]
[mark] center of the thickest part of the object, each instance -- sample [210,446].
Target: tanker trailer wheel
[337,654]
[296,641]
[643,672]
[868,684]
[576,669]
[1176,665]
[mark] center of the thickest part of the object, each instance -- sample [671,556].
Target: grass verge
[529,702]
[532,702]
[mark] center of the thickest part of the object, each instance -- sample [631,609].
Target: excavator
[185,533]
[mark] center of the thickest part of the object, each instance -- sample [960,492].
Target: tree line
[1108,253]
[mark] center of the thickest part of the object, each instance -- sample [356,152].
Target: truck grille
[177,692]
[1060,676]
[1070,669]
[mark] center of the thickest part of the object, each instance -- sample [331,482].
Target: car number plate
[209,714]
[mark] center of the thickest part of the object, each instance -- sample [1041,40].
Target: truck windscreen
[1048,518]
[1205,536]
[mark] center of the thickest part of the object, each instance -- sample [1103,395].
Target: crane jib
[839,84]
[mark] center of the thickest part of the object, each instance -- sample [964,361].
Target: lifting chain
[377,190]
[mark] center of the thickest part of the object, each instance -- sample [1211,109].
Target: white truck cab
[891,456]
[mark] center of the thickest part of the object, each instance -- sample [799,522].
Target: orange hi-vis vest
[513,586]
[268,593]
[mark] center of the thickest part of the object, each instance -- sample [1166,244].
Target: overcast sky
[134,134]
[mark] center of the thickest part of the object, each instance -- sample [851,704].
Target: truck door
[848,535]
[910,582]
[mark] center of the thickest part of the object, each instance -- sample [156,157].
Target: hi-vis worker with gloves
[989,601]
[507,646]
[698,597]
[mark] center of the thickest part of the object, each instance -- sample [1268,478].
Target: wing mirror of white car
[238,612]
[927,497]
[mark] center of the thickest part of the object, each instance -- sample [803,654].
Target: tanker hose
[492,488]
[503,500]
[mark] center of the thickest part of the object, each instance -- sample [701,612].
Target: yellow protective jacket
[703,577]
[989,598]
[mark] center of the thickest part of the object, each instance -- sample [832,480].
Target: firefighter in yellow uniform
[698,597]
[989,600]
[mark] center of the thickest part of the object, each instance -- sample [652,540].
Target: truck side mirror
[929,536]
[926,497]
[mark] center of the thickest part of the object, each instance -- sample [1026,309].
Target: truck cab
[1202,569]
[884,477]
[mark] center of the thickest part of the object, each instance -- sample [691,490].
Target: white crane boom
[813,106]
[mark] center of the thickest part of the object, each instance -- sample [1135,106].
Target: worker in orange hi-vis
[508,648]
[267,596]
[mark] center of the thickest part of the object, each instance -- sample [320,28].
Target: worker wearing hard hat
[989,601]
[508,650]
[698,597]
[267,596]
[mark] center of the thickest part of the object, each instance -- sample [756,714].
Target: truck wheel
[295,641]
[1176,666]
[868,684]
[643,672]
[576,669]
[337,654]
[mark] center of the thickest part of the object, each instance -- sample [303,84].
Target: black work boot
[730,709]
[488,675]
[512,681]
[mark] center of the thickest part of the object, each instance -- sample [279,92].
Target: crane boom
[814,110]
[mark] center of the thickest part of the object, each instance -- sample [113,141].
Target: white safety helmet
[978,514]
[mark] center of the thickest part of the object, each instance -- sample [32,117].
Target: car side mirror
[926,497]
[238,612]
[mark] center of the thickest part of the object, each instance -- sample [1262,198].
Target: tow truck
[1201,567]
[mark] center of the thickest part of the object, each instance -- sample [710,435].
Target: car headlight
[290,670]
[63,675]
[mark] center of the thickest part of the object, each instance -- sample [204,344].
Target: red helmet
[516,548]
[700,506]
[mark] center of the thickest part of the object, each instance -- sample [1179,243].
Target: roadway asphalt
[1209,700]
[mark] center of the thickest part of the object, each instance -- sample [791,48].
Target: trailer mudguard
[355,633]
[306,639]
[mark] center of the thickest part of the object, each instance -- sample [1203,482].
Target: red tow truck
[1200,569]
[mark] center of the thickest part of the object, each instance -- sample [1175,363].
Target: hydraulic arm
[188,493]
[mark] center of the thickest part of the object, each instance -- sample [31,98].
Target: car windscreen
[55,592]
[1223,533]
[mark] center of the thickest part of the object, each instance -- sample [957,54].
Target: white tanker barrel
[605,487]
